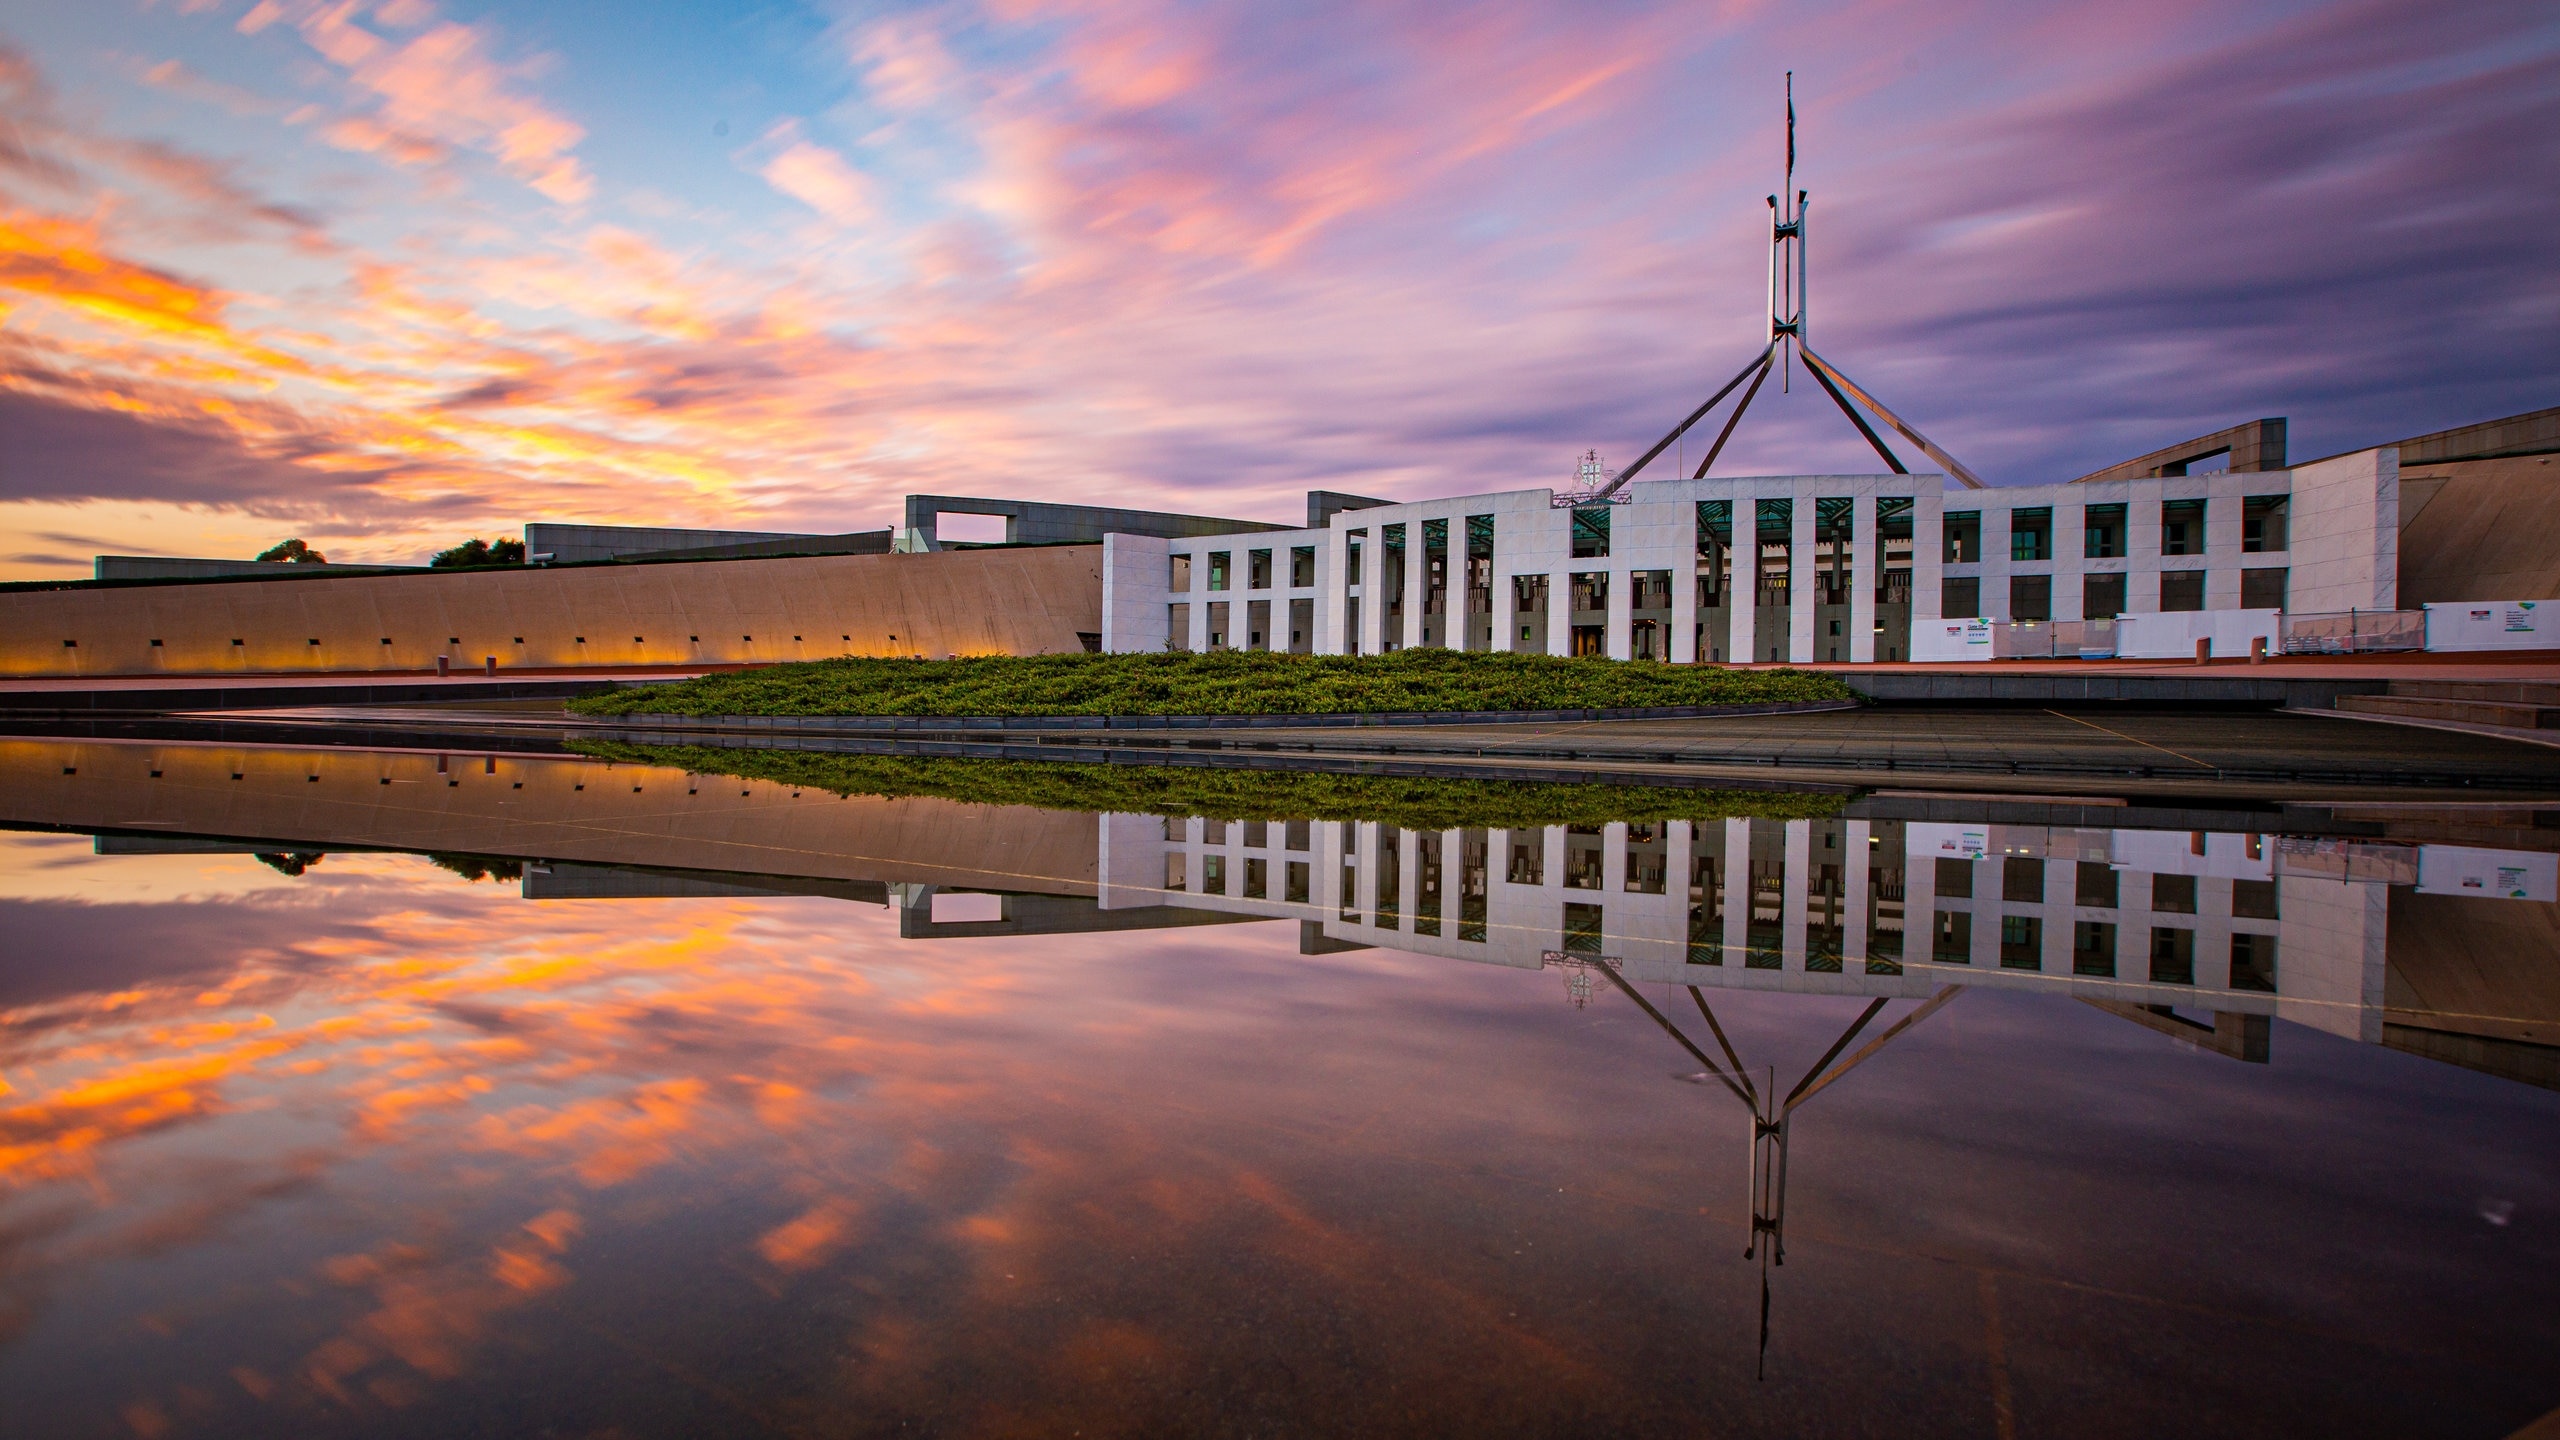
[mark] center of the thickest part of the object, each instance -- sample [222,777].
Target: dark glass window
[2093,948]
[2181,589]
[2262,589]
[1963,530]
[2022,878]
[2097,885]
[1590,532]
[1955,878]
[2031,534]
[2101,596]
[2103,532]
[2182,527]
[2173,894]
[2030,597]
[2262,523]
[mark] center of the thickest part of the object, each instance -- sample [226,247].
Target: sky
[387,275]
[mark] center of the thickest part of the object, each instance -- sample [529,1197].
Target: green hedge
[1408,802]
[1232,682]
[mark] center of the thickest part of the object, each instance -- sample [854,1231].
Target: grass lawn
[1407,802]
[1231,682]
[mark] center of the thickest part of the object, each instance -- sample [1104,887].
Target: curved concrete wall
[970,602]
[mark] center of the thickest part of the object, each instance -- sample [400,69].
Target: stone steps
[2506,714]
[2506,692]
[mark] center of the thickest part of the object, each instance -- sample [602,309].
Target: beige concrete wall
[2344,533]
[966,602]
[2480,530]
[539,808]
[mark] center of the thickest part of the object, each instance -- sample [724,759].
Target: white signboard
[2494,625]
[2488,874]
[1923,840]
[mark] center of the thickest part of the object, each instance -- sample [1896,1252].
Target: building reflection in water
[2439,947]
[2204,935]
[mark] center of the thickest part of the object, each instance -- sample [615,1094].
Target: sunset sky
[383,275]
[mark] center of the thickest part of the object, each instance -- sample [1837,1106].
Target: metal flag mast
[1787,290]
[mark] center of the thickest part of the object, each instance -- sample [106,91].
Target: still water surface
[300,1134]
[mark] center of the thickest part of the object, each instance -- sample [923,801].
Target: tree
[476,551]
[293,552]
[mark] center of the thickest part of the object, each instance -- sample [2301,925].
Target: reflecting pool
[396,1092]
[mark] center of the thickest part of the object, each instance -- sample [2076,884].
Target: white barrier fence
[2229,634]
[2175,634]
[2354,632]
[2494,625]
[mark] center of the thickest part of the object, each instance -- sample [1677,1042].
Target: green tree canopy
[293,552]
[476,551]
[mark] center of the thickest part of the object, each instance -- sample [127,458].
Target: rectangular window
[2262,589]
[2253,962]
[1648,860]
[2101,596]
[1528,858]
[2022,878]
[1257,570]
[1584,857]
[2173,894]
[1179,581]
[1213,874]
[1590,592]
[1296,875]
[1581,929]
[2181,589]
[2093,948]
[1951,941]
[1302,566]
[2030,597]
[1590,531]
[1296,837]
[2253,899]
[1218,624]
[1257,834]
[1257,879]
[2097,886]
[1479,577]
[2173,956]
[1963,529]
[1175,865]
[1774,558]
[2021,942]
[2102,533]
[1218,569]
[2031,534]
[1177,627]
[1955,878]
[2262,523]
[1389,869]
[2181,527]
[1960,597]
[1715,554]
[1427,858]
[1473,847]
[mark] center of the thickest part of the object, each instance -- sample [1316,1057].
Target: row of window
[2105,596]
[2171,955]
[2104,530]
[2104,535]
[1217,570]
[2095,887]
